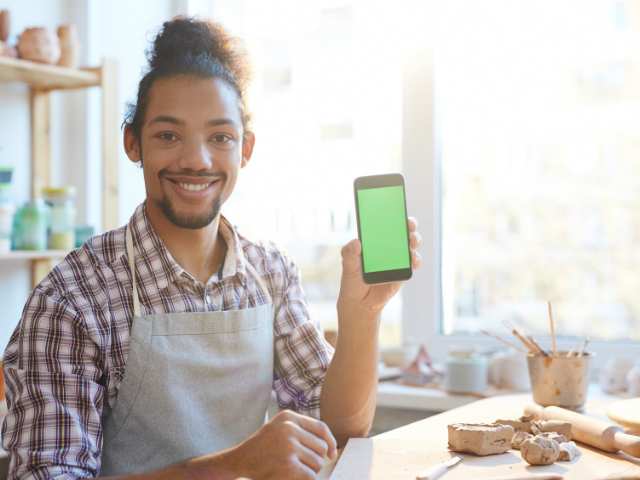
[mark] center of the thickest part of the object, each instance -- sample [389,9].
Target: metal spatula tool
[438,470]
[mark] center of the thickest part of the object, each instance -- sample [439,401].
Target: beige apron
[194,383]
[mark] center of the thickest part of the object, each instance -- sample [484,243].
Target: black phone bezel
[376,181]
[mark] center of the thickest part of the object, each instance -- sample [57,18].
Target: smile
[194,187]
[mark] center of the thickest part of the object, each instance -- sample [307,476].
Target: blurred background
[514,122]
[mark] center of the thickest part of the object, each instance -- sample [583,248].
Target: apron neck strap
[259,280]
[132,267]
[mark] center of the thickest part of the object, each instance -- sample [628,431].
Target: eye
[167,137]
[221,138]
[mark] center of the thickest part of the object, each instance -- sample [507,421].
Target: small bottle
[30,226]
[62,214]
[7,209]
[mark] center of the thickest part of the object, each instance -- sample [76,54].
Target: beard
[190,221]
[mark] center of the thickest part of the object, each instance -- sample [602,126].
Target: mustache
[192,173]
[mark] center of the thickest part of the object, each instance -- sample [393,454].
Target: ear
[248,141]
[132,145]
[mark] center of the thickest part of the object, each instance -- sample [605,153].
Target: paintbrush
[552,326]
[506,342]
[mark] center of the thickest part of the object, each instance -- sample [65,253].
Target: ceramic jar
[466,371]
[39,45]
[613,375]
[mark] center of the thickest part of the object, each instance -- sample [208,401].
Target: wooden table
[404,452]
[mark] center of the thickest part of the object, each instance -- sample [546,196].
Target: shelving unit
[33,255]
[42,80]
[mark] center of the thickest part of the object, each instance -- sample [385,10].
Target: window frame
[422,310]
[422,302]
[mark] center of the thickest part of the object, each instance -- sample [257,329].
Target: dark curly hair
[188,46]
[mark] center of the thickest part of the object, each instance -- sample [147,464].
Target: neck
[199,251]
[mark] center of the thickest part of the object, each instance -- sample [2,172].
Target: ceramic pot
[613,375]
[39,45]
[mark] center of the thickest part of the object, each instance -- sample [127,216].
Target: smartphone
[381,210]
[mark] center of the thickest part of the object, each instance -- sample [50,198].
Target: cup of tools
[559,378]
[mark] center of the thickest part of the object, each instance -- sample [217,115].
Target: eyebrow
[176,121]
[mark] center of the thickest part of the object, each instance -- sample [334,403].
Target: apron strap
[259,280]
[132,266]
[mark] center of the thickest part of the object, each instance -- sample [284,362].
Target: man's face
[192,145]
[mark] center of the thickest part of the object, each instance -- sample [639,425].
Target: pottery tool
[584,347]
[552,327]
[438,470]
[528,345]
[589,430]
[538,348]
[500,339]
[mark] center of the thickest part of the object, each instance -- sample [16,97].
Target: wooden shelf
[47,77]
[33,255]
[42,79]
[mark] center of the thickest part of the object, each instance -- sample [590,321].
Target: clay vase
[69,46]
[39,45]
[633,381]
[5,25]
[613,375]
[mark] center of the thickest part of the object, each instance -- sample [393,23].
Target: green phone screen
[383,228]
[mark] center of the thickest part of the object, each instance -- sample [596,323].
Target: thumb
[351,261]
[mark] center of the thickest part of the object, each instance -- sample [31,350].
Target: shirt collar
[155,264]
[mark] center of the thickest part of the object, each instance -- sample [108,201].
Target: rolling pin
[590,431]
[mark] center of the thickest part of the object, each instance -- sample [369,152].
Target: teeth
[194,187]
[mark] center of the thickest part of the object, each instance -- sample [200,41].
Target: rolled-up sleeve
[54,398]
[302,355]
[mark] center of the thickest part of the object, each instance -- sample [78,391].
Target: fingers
[309,457]
[416,260]
[311,427]
[304,471]
[313,442]
[321,430]
[413,224]
[415,240]
[351,257]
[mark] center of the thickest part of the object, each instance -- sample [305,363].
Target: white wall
[118,29]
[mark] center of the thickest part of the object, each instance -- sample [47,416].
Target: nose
[196,156]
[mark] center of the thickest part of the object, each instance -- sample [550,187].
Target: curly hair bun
[188,46]
[186,40]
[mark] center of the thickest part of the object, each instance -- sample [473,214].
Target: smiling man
[152,351]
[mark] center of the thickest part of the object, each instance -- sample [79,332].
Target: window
[327,103]
[538,107]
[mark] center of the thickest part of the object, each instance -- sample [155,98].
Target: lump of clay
[540,450]
[568,451]
[480,438]
[563,428]
[555,436]
[521,425]
[39,45]
[519,438]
